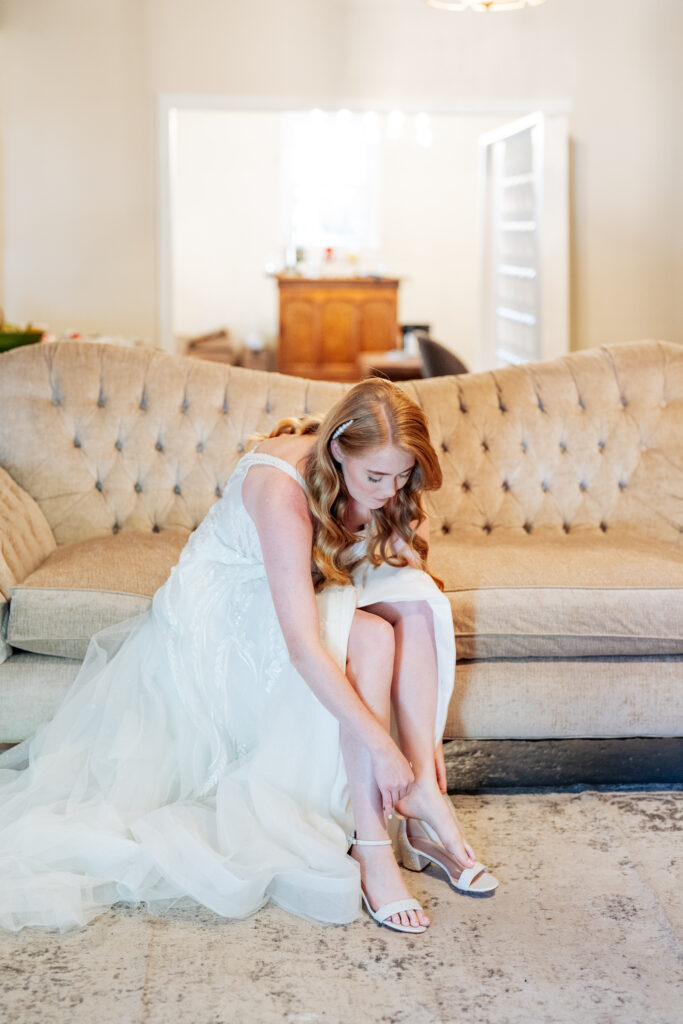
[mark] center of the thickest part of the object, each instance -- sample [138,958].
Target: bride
[232,744]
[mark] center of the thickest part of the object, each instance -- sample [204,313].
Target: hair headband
[341,429]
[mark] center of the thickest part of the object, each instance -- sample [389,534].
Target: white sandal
[382,914]
[424,846]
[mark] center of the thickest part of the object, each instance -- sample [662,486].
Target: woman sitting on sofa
[232,745]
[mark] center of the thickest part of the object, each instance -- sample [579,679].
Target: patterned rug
[586,926]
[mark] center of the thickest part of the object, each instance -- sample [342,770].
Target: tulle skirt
[183,770]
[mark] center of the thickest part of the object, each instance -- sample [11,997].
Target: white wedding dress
[189,762]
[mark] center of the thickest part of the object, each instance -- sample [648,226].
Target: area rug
[586,926]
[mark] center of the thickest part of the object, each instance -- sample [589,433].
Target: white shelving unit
[524,241]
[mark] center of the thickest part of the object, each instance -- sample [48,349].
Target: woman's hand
[440,765]
[393,774]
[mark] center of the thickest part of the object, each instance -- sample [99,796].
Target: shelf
[517,225]
[511,270]
[516,315]
[513,180]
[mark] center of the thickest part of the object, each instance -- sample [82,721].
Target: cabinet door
[378,325]
[299,333]
[339,332]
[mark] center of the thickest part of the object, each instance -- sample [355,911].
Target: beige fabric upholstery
[83,587]
[25,540]
[32,687]
[592,440]
[605,594]
[553,698]
[25,536]
[139,439]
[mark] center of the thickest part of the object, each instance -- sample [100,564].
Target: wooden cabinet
[325,323]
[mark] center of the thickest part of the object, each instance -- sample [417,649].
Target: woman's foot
[383,883]
[426,802]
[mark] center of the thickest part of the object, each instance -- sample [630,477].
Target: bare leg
[370,669]
[414,693]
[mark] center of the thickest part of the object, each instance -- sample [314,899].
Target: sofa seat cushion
[582,594]
[83,587]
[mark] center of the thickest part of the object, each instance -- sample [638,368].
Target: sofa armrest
[25,535]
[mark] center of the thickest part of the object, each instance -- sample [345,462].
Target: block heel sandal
[423,847]
[382,914]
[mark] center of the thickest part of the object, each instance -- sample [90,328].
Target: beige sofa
[558,531]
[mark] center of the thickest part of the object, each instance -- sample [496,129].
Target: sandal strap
[389,909]
[368,842]
[467,875]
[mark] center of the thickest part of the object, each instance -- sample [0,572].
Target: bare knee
[400,612]
[371,644]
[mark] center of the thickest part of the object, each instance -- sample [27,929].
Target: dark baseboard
[479,766]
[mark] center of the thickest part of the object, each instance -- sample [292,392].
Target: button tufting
[445,528]
[118,445]
[583,486]
[505,485]
[444,446]
[622,485]
[487,527]
[159,446]
[563,446]
[77,443]
[184,405]
[565,527]
[544,485]
[218,491]
[525,446]
[56,400]
[98,485]
[601,445]
[101,401]
[176,489]
[138,487]
[465,485]
[581,403]
[485,445]
[240,447]
[540,404]
[200,446]
[624,401]
[155,528]
[463,408]
[527,527]
[603,526]
[115,528]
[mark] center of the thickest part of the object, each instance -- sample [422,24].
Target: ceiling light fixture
[483,5]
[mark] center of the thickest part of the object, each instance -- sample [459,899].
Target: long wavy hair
[376,413]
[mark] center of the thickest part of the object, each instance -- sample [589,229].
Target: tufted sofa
[558,530]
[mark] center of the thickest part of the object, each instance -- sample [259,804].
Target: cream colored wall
[80,80]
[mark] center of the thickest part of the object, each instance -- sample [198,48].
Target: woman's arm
[278,507]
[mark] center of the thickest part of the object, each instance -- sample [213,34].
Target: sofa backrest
[591,441]
[108,438]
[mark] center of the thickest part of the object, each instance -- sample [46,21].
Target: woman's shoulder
[291,448]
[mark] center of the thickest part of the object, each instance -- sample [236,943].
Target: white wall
[80,81]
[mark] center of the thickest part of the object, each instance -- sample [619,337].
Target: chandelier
[483,5]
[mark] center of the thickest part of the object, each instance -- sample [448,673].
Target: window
[331,180]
